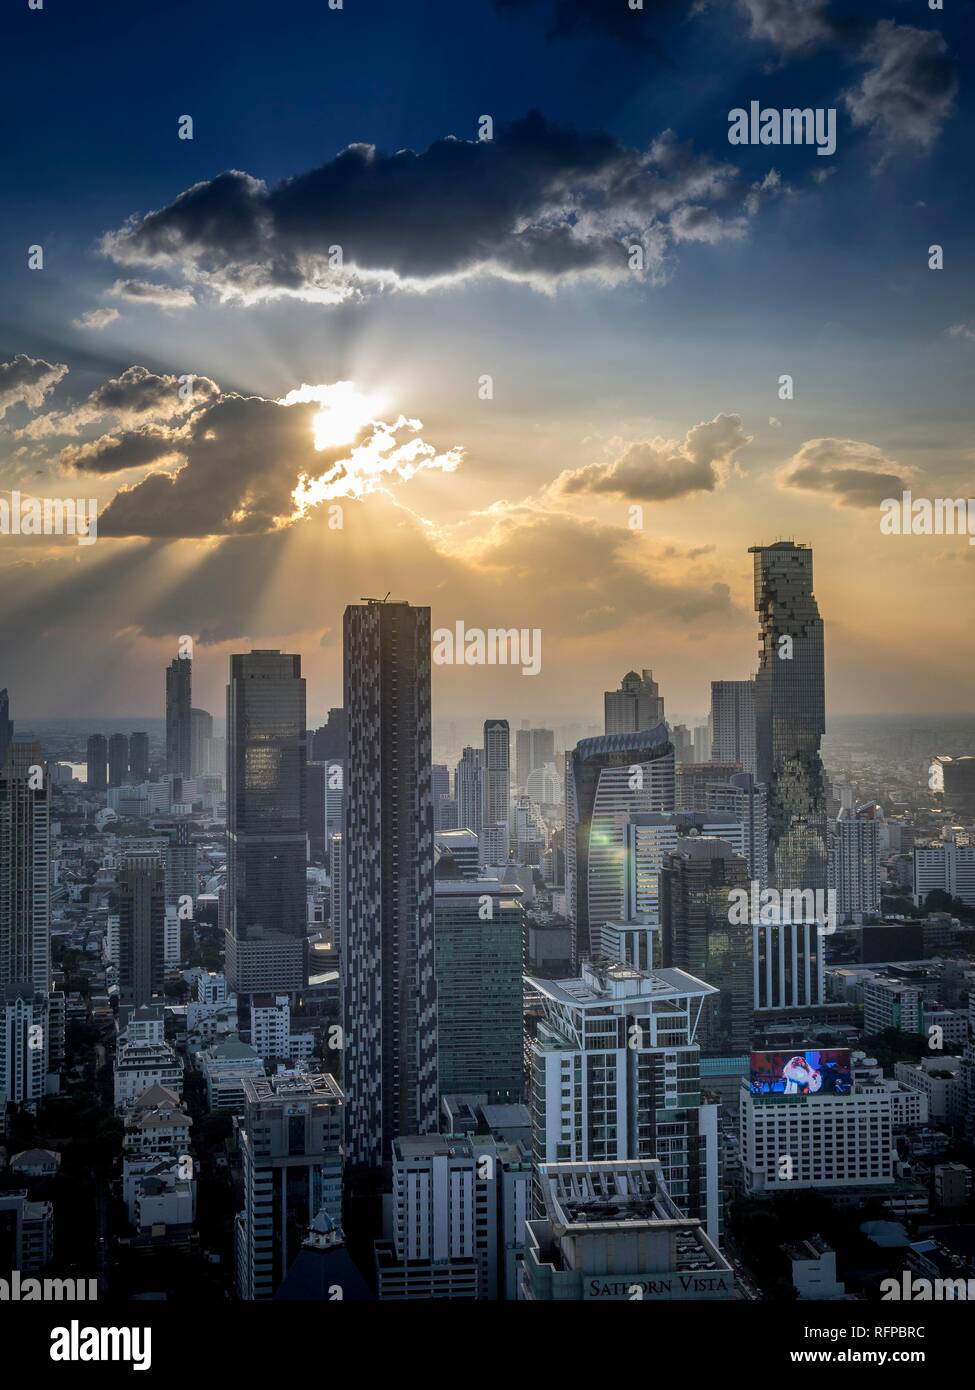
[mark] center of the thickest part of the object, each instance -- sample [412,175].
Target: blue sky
[816,267]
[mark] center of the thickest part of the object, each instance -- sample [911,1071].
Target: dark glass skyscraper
[387,955]
[142,929]
[97,762]
[266,824]
[139,757]
[6,726]
[790,714]
[118,760]
[179,719]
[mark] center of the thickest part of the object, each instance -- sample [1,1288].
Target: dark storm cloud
[27,380]
[133,398]
[540,203]
[637,28]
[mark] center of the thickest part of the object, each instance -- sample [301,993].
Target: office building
[6,726]
[468,790]
[201,734]
[650,837]
[790,714]
[460,847]
[497,774]
[733,723]
[608,780]
[695,781]
[855,864]
[179,859]
[390,995]
[744,799]
[615,1074]
[179,717]
[699,937]
[290,1139]
[946,868]
[96,775]
[25,870]
[139,758]
[954,780]
[118,760]
[534,749]
[446,1235]
[142,929]
[889,1003]
[24,1047]
[331,741]
[479,930]
[637,705]
[266,824]
[611,1232]
[819,1141]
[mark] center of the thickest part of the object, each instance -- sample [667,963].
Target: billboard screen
[821,1071]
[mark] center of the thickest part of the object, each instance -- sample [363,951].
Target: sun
[345,411]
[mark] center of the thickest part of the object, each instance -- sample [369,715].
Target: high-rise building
[651,835]
[746,800]
[534,748]
[23,1046]
[179,717]
[332,739]
[635,706]
[615,1074]
[945,868]
[496,784]
[695,779]
[460,846]
[336,900]
[97,769]
[700,938]
[118,760]
[6,726]
[390,994]
[179,860]
[855,863]
[479,927]
[790,714]
[469,794]
[139,757]
[201,733]
[25,870]
[448,1210]
[733,723]
[952,778]
[290,1139]
[142,929]
[316,782]
[607,780]
[266,824]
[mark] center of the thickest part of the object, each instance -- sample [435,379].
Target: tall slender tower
[496,784]
[179,719]
[142,929]
[390,989]
[790,714]
[97,762]
[6,726]
[733,723]
[468,780]
[25,869]
[266,824]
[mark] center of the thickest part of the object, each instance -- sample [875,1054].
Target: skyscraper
[745,799]
[733,723]
[636,705]
[390,989]
[479,928]
[496,784]
[179,718]
[139,757]
[97,770]
[695,779]
[201,732]
[6,726]
[533,748]
[142,929]
[606,780]
[25,869]
[467,790]
[696,881]
[855,864]
[266,824]
[790,715]
[118,760]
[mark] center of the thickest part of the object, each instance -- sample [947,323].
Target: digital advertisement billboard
[824,1071]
